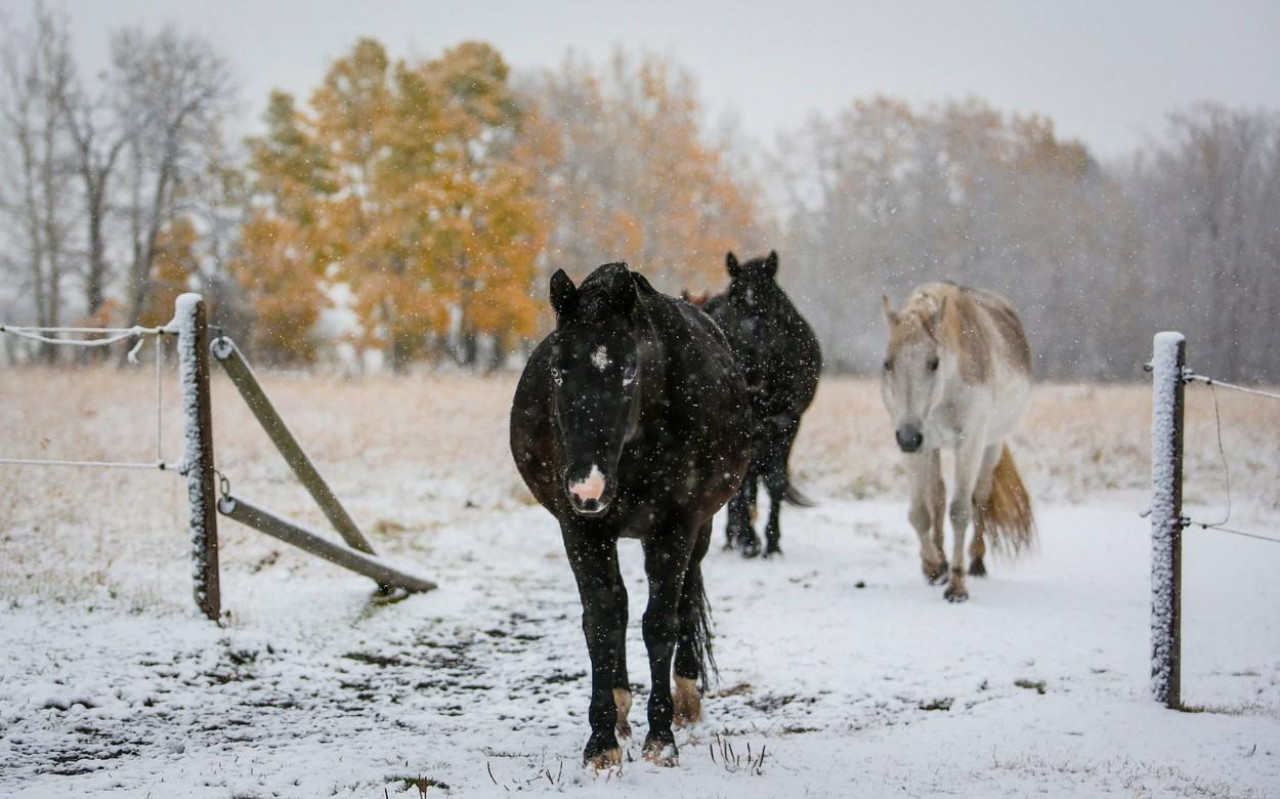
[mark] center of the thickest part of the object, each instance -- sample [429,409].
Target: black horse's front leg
[666,559]
[593,557]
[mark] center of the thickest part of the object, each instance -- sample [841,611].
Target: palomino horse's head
[595,363]
[914,368]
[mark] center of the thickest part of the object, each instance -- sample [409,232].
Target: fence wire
[1191,377]
[109,336]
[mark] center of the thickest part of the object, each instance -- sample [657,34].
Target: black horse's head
[748,308]
[753,286]
[595,366]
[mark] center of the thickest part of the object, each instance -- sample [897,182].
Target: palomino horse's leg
[981,495]
[938,506]
[925,472]
[690,660]
[666,560]
[968,467]
[594,560]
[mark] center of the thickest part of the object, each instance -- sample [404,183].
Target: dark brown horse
[632,420]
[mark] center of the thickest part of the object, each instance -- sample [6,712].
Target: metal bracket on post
[1168,368]
[193,369]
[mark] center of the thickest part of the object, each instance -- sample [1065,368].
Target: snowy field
[842,673]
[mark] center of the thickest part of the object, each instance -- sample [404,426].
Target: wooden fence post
[1168,366]
[193,370]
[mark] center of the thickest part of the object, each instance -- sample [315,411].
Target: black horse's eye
[556,376]
[888,365]
[933,364]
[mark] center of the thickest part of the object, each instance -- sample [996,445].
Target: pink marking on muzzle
[590,488]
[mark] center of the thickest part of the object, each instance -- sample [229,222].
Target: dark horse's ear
[564,295]
[771,263]
[620,286]
[731,263]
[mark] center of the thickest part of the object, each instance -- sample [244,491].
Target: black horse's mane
[607,291]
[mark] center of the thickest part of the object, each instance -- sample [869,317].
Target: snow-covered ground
[838,662]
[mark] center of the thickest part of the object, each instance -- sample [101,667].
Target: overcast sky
[1106,72]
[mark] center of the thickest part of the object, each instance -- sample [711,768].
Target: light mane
[974,325]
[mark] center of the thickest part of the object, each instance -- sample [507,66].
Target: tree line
[1184,234]
[409,210]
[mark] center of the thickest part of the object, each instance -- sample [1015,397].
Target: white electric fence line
[161,465]
[117,334]
[111,334]
[1191,376]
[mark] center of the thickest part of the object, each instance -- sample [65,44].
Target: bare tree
[98,139]
[36,66]
[172,92]
[1209,205]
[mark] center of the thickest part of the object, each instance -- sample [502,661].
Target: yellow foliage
[400,182]
[272,266]
[172,270]
[626,175]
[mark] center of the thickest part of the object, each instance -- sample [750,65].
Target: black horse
[781,361]
[632,420]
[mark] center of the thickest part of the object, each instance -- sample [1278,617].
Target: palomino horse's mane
[974,324]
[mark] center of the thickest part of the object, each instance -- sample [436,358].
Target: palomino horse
[781,362]
[958,376]
[630,420]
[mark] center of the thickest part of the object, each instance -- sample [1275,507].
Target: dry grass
[405,452]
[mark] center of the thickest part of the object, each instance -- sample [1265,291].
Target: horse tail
[1006,515]
[793,496]
[701,639]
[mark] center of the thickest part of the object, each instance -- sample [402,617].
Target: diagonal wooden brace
[237,368]
[293,533]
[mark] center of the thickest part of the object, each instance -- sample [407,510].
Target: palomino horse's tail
[1006,515]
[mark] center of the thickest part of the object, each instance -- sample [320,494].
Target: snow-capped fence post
[1168,369]
[193,370]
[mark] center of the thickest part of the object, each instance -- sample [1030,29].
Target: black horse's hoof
[771,550]
[751,549]
[661,753]
[602,751]
[976,569]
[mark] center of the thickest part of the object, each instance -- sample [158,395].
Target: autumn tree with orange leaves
[400,182]
[627,174]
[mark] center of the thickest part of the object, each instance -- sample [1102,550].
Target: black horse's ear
[731,263]
[564,295]
[620,287]
[771,263]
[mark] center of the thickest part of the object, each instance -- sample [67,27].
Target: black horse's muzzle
[591,494]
